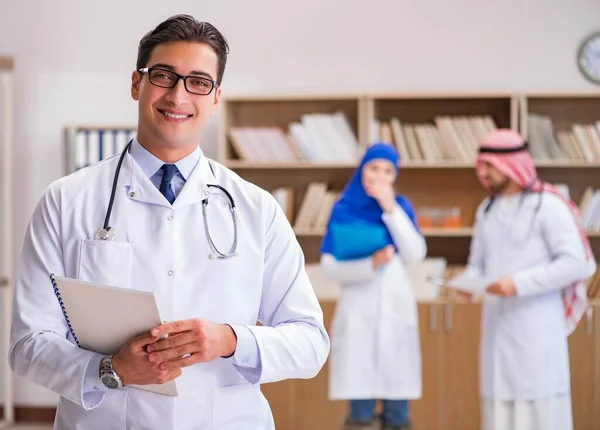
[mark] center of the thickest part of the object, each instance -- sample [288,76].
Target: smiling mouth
[174,115]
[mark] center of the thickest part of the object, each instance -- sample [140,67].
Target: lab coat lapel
[141,189]
[196,186]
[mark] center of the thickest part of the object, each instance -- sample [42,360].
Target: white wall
[74,60]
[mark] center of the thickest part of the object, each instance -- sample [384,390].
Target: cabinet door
[460,404]
[280,396]
[425,412]
[584,361]
[313,409]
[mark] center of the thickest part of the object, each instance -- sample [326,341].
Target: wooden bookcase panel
[280,112]
[439,185]
[564,109]
[414,109]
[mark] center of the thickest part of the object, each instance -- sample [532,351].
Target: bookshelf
[563,129]
[424,181]
[6,269]
[88,144]
[441,180]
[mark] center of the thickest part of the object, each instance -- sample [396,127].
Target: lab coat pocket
[111,414]
[239,407]
[105,263]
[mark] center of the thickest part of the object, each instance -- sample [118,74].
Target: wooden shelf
[287,97]
[425,184]
[415,108]
[281,110]
[563,108]
[567,165]
[428,232]
[448,232]
[239,164]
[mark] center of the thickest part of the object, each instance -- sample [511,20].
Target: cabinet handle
[448,316]
[433,318]
[589,313]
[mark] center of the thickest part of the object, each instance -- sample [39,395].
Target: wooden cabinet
[425,412]
[303,404]
[459,363]
[584,348]
[449,333]
[450,352]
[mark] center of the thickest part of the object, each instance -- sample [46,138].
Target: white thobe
[524,358]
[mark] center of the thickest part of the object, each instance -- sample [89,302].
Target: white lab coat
[375,347]
[164,248]
[524,356]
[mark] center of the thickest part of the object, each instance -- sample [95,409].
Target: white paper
[475,286]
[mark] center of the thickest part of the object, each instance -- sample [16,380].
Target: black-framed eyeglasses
[168,79]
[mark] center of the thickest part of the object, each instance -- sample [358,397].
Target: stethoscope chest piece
[105,234]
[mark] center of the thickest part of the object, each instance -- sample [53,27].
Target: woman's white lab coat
[164,248]
[375,348]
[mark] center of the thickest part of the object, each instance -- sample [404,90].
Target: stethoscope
[108,233]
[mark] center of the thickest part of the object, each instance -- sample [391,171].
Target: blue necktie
[169,171]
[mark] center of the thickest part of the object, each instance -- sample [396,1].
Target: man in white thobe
[529,246]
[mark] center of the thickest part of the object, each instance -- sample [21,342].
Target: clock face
[589,58]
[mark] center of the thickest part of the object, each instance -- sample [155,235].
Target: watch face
[589,58]
[109,381]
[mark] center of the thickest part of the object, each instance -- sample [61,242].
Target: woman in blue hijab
[371,238]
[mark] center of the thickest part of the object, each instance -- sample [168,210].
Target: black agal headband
[489,150]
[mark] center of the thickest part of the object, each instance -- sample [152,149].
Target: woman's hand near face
[383,193]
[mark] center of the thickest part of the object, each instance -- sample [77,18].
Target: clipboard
[104,329]
[473,286]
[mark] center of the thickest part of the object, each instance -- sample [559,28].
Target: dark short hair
[184,28]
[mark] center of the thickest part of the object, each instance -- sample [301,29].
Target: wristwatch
[107,375]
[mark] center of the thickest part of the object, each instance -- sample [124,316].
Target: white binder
[102,319]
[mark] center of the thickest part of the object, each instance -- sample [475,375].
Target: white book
[93,147]
[121,140]
[105,329]
[81,150]
[108,144]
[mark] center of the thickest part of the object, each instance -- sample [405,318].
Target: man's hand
[382,257]
[503,287]
[384,194]
[133,367]
[190,342]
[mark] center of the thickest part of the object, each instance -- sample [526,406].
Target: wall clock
[588,58]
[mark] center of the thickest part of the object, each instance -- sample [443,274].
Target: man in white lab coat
[529,245]
[215,351]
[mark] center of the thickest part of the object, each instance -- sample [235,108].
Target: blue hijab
[357,212]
